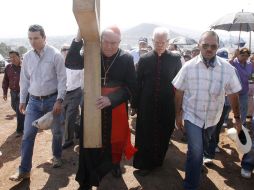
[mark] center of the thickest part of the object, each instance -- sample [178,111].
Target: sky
[57,18]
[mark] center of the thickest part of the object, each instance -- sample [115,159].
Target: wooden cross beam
[87,14]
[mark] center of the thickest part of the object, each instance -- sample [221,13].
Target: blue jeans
[198,139]
[243,99]
[248,159]
[34,110]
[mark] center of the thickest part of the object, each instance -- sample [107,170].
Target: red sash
[120,132]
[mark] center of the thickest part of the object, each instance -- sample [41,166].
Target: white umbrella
[241,21]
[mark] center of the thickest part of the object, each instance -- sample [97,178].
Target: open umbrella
[241,21]
[182,41]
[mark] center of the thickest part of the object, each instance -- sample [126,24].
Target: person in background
[174,49]
[74,88]
[149,48]
[195,51]
[251,91]
[247,163]
[236,53]
[186,57]
[43,76]
[136,53]
[11,81]
[244,69]
[142,48]
[252,58]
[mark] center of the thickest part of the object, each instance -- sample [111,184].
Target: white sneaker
[217,149]
[245,173]
[207,161]
[224,125]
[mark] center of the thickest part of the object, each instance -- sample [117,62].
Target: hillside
[130,36]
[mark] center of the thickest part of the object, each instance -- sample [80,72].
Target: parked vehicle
[2,65]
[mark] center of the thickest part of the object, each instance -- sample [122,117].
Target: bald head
[113,31]
[110,40]
[208,44]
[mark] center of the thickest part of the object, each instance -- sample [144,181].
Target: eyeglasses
[206,46]
[157,43]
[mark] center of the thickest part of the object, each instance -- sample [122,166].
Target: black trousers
[15,107]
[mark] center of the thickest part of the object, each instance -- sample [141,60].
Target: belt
[72,90]
[43,97]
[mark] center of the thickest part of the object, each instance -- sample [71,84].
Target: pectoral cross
[104,79]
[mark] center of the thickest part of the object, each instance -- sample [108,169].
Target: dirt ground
[223,175]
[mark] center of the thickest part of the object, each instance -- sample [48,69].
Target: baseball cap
[223,53]
[143,39]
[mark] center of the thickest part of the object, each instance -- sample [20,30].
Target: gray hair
[161,31]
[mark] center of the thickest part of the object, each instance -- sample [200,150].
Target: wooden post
[87,14]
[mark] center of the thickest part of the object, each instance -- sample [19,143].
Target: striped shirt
[43,74]
[204,89]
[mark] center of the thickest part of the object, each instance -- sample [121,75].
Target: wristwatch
[60,100]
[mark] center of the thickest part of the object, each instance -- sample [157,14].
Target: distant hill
[131,36]
[56,41]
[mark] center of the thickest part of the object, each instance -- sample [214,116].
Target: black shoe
[116,171]
[18,134]
[67,144]
[143,172]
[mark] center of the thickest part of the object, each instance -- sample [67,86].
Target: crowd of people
[193,91]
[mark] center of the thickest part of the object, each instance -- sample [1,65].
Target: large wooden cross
[87,14]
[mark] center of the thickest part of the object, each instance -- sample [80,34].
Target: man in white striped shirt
[201,86]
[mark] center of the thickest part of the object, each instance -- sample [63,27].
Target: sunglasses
[206,46]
